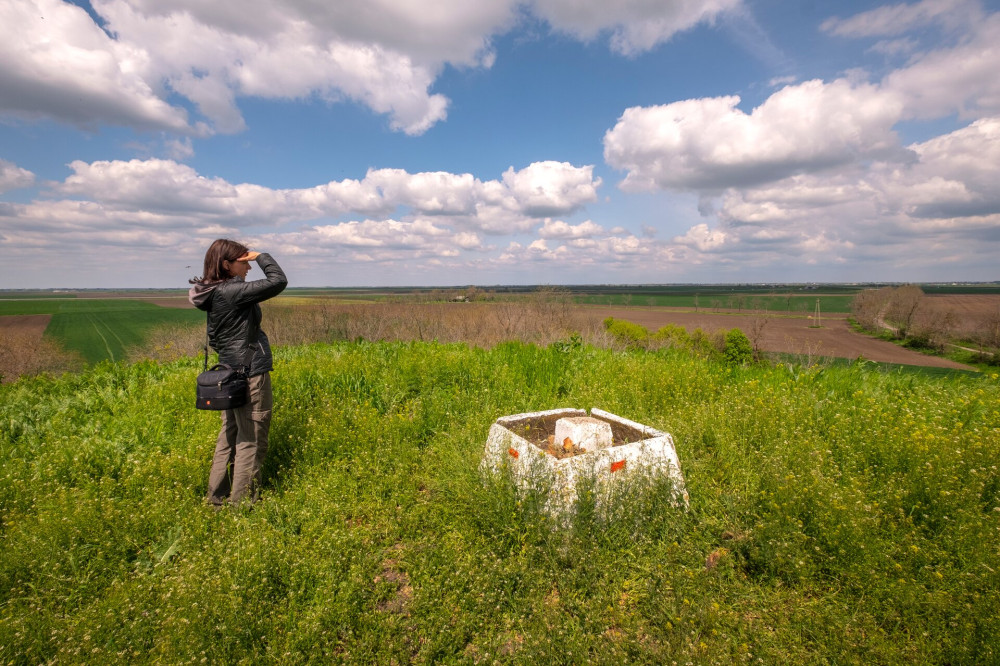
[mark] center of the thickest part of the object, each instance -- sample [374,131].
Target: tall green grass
[840,516]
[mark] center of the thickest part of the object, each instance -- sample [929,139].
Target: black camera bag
[222,387]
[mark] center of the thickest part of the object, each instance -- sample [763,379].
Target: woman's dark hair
[222,249]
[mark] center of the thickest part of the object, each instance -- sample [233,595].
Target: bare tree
[903,308]
[755,331]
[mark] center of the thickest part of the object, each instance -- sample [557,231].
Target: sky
[500,142]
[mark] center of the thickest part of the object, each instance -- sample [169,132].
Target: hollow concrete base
[653,456]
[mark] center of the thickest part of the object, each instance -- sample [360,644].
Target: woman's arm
[273,283]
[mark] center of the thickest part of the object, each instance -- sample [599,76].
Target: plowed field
[792,335]
[34,324]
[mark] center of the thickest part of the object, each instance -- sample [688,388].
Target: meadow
[838,515]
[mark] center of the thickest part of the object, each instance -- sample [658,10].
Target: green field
[844,515]
[108,334]
[101,329]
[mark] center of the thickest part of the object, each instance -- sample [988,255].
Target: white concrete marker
[652,456]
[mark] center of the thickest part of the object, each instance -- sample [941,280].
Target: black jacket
[234,316]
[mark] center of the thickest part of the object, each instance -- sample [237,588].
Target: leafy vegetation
[738,350]
[842,515]
[627,332]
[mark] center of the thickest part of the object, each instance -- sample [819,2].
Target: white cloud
[148,205]
[895,47]
[169,188]
[954,177]
[635,25]
[179,149]
[13,177]
[702,238]
[559,229]
[957,76]
[552,188]
[782,81]
[374,241]
[898,19]
[383,54]
[210,58]
[942,204]
[961,79]
[58,63]
[711,144]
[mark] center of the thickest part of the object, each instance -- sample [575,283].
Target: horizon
[538,142]
[540,285]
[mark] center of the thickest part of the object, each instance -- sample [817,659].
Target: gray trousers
[242,445]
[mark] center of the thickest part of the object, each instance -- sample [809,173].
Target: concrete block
[584,431]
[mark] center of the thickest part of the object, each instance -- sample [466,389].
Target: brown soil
[783,334]
[965,305]
[34,324]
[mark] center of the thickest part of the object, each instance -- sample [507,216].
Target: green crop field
[101,329]
[842,515]
[55,306]
[106,335]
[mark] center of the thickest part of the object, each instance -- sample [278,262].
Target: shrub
[671,335]
[627,332]
[738,350]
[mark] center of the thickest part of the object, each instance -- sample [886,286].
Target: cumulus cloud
[384,54]
[816,172]
[954,176]
[710,143]
[179,149]
[165,187]
[133,209]
[551,188]
[942,202]
[53,52]
[13,177]
[210,57]
[960,79]
[559,229]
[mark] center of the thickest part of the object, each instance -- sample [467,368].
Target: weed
[838,514]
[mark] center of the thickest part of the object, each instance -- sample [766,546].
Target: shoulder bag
[222,387]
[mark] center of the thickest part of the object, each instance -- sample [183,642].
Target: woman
[234,332]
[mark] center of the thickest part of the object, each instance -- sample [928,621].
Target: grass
[838,515]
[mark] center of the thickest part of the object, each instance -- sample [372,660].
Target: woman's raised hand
[249,256]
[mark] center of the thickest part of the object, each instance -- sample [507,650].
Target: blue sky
[500,142]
